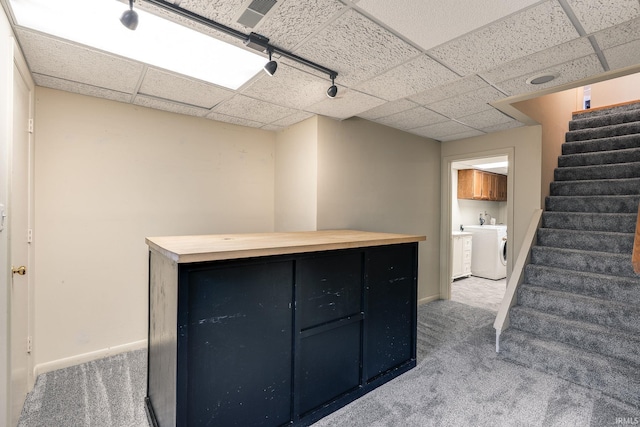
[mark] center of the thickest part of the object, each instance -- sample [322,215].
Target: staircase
[578,310]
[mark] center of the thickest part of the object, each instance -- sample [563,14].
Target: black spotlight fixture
[271,66]
[130,18]
[333,89]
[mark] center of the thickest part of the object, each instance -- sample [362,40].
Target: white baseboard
[43,368]
[428,299]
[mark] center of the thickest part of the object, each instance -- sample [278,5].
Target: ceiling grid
[426,67]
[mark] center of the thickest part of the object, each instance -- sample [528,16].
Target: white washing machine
[489,251]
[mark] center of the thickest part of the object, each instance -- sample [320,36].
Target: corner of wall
[296,177]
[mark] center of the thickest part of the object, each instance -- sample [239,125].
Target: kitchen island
[274,329]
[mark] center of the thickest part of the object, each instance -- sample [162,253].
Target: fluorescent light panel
[492,165]
[156,41]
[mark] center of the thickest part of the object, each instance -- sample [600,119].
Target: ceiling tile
[417,75]
[532,64]
[523,34]
[82,89]
[292,21]
[296,117]
[174,107]
[347,104]
[252,109]
[388,109]
[597,15]
[441,130]
[356,48]
[223,11]
[190,23]
[411,119]
[624,55]
[566,73]
[503,126]
[290,87]
[463,135]
[234,120]
[620,34]
[485,119]
[431,23]
[449,90]
[174,87]
[467,103]
[53,57]
[271,128]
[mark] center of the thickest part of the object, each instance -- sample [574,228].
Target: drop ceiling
[432,68]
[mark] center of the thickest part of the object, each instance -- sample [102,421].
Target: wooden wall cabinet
[475,184]
[277,335]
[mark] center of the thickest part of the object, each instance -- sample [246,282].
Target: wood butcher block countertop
[185,249]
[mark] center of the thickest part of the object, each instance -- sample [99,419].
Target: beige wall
[554,113]
[374,178]
[614,91]
[296,177]
[108,175]
[523,145]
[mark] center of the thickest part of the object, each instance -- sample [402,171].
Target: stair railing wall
[635,259]
[517,276]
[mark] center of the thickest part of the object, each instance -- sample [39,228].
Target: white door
[19,246]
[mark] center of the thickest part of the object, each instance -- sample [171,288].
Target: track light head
[333,89]
[271,66]
[130,18]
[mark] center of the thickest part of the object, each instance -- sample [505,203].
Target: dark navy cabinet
[277,340]
[391,309]
[234,346]
[329,313]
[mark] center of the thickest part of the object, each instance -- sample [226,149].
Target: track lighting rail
[252,40]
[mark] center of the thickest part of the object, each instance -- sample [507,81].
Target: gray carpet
[459,381]
[578,309]
[107,392]
[479,292]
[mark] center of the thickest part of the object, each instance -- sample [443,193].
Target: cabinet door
[457,260]
[502,188]
[390,280]
[487,185]
[329,327]
[234,321]
[469,184]
[466,255]
[493,195]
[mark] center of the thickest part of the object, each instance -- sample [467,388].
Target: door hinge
[29,235]
[29,345]
[30,125]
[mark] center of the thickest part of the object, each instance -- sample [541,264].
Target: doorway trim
[446,201]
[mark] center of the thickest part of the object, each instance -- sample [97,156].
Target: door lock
[22,270]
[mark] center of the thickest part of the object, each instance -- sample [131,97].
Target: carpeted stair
[578,310]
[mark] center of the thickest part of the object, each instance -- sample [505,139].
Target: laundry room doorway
[477,205]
